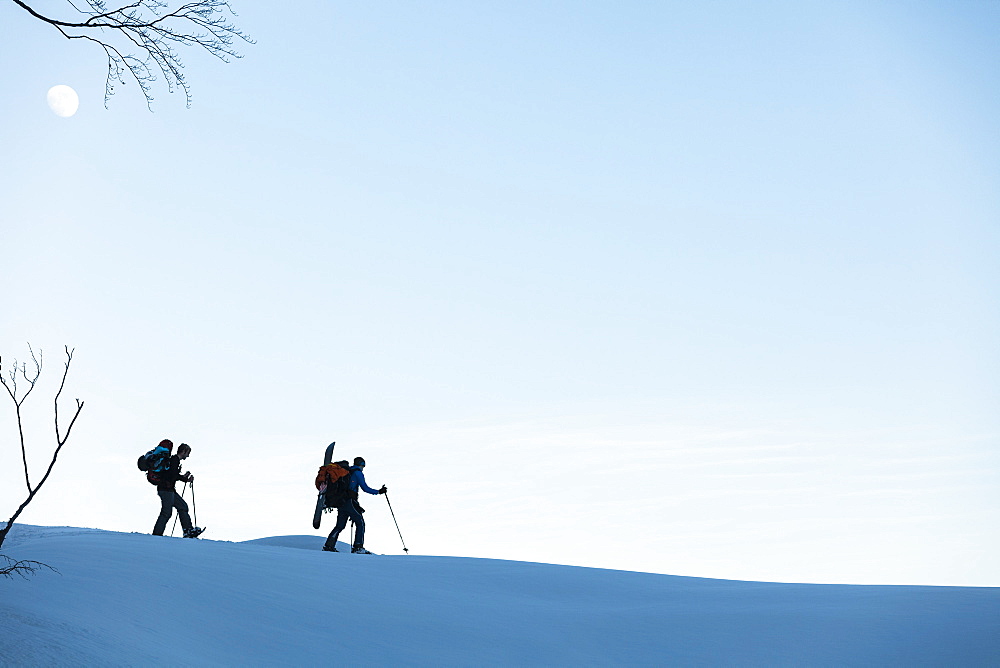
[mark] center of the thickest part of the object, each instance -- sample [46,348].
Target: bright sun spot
[63,100]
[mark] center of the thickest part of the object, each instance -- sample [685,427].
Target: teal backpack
[154,463]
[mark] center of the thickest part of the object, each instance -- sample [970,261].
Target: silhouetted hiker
[348,508]
[169,498]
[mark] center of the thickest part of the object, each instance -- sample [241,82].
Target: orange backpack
[331,473]
[333,482]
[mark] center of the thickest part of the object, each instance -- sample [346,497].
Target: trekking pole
[183,489]
[194,505]
[397,524]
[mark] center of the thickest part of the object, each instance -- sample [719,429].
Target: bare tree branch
[24,568]
[12,391]
[60,438]
[152,28]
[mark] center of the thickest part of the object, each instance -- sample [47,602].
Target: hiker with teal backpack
[348,509]
[164,470]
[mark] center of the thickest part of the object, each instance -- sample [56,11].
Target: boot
[360,550]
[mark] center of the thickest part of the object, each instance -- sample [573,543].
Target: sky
[698,289]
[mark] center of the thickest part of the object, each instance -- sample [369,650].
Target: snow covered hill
[134,599]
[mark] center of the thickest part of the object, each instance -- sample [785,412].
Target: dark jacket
[170,475]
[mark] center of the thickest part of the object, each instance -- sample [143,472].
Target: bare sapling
[10,379]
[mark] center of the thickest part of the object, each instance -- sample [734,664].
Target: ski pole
[397,524]
[183,489]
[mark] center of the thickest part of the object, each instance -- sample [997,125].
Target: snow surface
[136,599]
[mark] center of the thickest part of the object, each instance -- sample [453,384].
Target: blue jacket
[358,480]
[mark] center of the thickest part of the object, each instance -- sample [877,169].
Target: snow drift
[134,599]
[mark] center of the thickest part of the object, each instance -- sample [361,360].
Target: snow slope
[135,599]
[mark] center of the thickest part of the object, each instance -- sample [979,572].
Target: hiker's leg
[359,525]
[166,507]
[182,511]
[331,540]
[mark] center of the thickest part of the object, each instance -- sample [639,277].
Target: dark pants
[169,500]
[347,510]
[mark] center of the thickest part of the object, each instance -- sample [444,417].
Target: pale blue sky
[707,289]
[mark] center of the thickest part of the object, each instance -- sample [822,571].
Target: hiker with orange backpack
[343,495]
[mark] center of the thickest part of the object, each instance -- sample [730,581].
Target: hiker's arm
[173,472]
[363,485]
[175,464]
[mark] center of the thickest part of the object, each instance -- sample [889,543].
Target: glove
[383,490]
[188,477]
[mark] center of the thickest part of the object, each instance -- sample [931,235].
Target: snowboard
[320,501]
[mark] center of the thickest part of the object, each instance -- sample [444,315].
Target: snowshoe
[360,550]
[194,532]
[327,548]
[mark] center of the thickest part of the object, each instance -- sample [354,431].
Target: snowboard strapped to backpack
[154,463]
[334,481]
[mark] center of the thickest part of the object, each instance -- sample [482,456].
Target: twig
[23,567]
